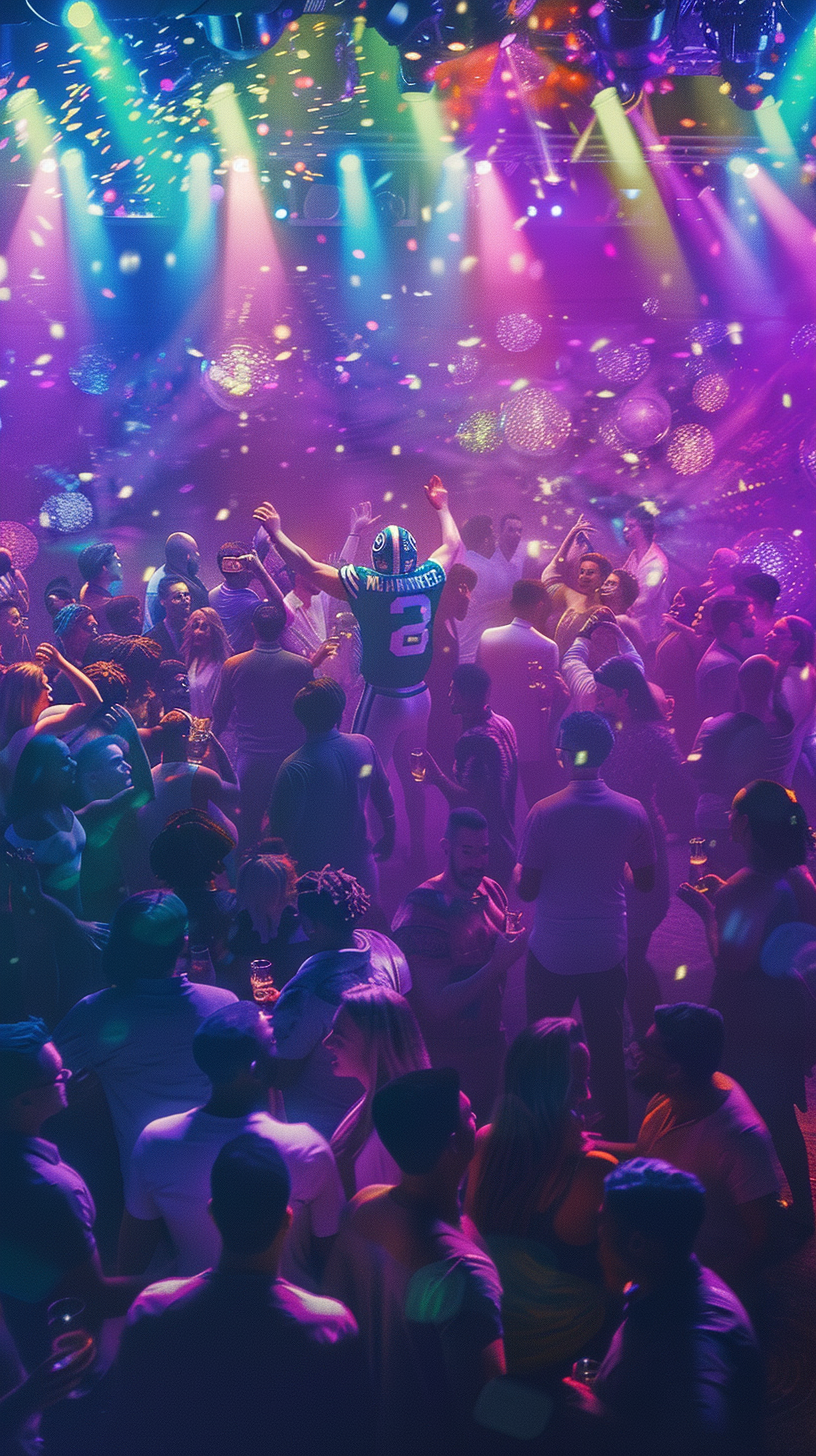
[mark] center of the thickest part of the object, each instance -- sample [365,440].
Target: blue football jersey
[395,615]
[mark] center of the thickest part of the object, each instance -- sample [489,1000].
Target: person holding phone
[234,599]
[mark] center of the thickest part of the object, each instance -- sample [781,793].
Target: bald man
[181,558]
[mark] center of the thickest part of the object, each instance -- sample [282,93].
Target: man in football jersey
[394,602]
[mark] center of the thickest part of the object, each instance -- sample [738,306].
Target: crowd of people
[302,1195]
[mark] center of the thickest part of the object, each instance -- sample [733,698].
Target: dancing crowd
[273,1176]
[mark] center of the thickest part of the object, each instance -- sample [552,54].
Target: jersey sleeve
[350,577]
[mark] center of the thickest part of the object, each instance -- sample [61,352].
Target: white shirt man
[522,664]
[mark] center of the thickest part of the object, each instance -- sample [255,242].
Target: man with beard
[454,931]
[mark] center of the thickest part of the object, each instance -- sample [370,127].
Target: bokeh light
[66,513]
[242,376]
[480,433]
[517,332]
[711,392]
[20,543]
[92,370]
[690,449]
[623,363]
[536,423]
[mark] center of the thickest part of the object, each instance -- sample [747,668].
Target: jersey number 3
[411,639]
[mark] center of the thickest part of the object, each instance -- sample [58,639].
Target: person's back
[425,1296]
[515,657]
[263,683]
[683,1373]
[318,804]
[582,839]
[138,1040]
[237,1360]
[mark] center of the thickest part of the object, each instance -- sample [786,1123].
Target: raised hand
[436,493]
[268,517]
[47,655]
[361,518]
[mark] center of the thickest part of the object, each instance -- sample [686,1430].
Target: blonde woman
[374,1038]
[205,647]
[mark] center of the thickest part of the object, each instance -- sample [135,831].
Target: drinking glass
[202,970]
[68,1336]
[698,859]
[262,983]
[417,765]
[585,1371]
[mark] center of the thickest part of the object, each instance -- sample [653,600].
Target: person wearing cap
[701,1121]
[101,570]
[137,1036]
[683,1373]
[46,1212]
[425,1295]
[237,1360]
[167,1182]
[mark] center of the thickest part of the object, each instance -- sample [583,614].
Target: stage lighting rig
[250,33]
[743,32]
[632,39]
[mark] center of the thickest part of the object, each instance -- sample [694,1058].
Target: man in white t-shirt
[167,1186]
[574,852]
[497,563]
[525,685]
[702,1121]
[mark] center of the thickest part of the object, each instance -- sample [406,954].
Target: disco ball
[92,371]
[517,332]
[464,368]
[711,392]
[480,433]
[710,331]
[807,457]
[20,543]
[697,366]
[241,376]
[690,449]
[623,363]
[651,306]
[536,423]
[787,558]
[643,419]
[66,513]
[609,434]
[804,341]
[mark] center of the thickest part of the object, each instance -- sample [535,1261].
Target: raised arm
[60,718]
[319,574]
[556,569]
[361,519]
[452,548]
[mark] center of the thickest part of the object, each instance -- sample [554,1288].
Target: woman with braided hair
[330,905]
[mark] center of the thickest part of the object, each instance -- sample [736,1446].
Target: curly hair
[332,897]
